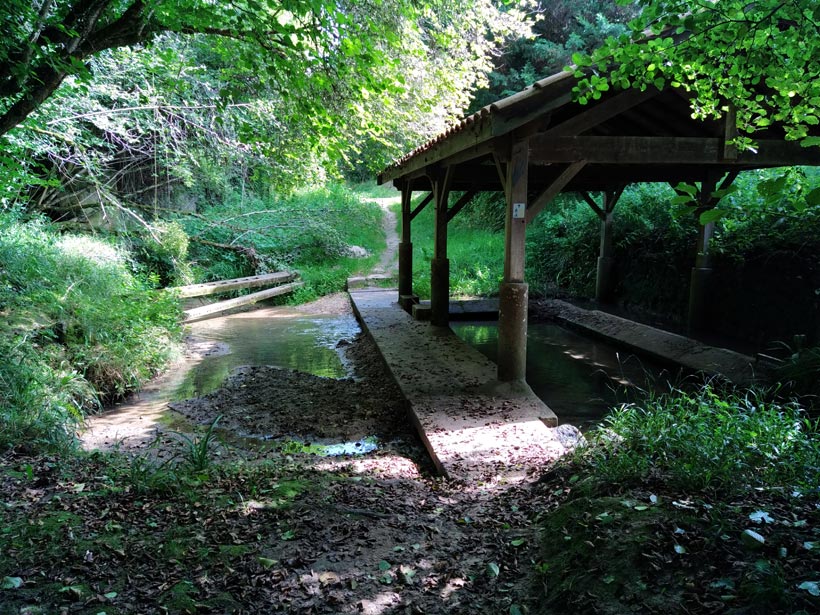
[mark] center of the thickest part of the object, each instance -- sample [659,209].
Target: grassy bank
[314,231]
[78,326]
[698,503]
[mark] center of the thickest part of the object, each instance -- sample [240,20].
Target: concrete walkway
[474,428]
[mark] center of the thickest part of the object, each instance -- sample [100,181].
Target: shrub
[708,440]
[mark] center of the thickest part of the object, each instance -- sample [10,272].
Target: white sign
[519,210]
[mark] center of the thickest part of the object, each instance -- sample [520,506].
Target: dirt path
[389,259]
[278,527]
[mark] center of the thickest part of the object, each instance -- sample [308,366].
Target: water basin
[580,378]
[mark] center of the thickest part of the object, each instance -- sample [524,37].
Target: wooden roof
[626,136]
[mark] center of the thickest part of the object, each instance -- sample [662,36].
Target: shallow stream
[579,378]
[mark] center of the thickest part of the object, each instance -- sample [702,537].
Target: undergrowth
[77,327]
[311,231]
[692,502]
[708,440]
[476,254]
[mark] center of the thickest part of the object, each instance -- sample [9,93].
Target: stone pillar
[512,328]
[699,281]
[440,265]
[512,313]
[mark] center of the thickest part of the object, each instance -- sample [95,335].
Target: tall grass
[708,440]
[476,254]
[310,231]
[77,326]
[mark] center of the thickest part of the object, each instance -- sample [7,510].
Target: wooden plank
[224,286]
[666,151]
[554,189]
[223,306]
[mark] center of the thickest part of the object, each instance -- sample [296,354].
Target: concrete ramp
[474,428]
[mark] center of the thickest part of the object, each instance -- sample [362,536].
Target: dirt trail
[389,259]
[376,533]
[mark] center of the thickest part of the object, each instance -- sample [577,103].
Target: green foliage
[77,325]
[476,254]
[801,369]
[707,440]
[561,28]
[762,57]
[310,231]
[198,449]
[650,244]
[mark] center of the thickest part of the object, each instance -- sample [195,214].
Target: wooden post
[406,297]
[604,283]
[512,313]
[702,271]
[440,265]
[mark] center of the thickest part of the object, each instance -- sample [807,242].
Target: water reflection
[299,343]
[275,336]
[578,377]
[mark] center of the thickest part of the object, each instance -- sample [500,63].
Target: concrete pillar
[512,315]
[440,265]
[699,280]
[512,328]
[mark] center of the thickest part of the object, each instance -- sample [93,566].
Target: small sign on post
[519,210]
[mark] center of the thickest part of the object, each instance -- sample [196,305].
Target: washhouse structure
[538,143]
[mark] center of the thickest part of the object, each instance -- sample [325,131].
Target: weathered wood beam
[516,220]
[224,286]
[554,189]
[439,264]
[666,150]
[591,202]
[223,306]
[460,204]
[424,203]
[601,112]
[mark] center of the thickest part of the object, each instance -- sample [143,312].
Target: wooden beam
[425,202]
[224,286]
[516,220]
[460,204]
[601,112]
[223,306]
[554,189]
[441,188]
[501,170]
[591,202]
[666,151]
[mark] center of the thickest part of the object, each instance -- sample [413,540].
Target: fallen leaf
[493,569]
[813,587]
[761,516]
[11,583]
